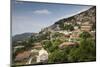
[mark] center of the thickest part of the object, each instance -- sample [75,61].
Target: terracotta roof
[22,56]
[37,45]
[67,44]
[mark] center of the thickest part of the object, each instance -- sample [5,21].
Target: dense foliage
[85,52]
[85,35]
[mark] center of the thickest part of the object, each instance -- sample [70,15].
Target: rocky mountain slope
[88,15]
[21,37]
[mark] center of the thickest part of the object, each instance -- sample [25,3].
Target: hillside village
[56,43]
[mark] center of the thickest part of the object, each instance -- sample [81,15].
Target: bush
[85,52]
[69,27]
[57,56]
[85,35]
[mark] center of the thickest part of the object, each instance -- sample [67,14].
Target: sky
[34,16]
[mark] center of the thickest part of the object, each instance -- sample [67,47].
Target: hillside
[21,37]
[68,40]
[88,15]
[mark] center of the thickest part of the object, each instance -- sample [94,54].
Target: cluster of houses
[37,54]
[73,36]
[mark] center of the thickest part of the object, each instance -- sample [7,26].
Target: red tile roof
[67,44]
[22,56]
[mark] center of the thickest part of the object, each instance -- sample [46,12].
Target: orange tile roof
[68,44]
[22,56]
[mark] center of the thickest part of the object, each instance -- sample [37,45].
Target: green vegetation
[57,56]
[51,45]
[85,52]
[69,27]
[57,34]
[51,39]
[85,35]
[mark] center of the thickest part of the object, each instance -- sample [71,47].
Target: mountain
[21,37]
[88,15]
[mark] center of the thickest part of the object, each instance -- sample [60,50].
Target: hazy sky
[32,16]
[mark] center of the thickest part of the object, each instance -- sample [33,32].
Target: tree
[61,25]
[57,56]
[52,45]
[47,45]
[57,34]
[69,27]
[85,35]
[85,52]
